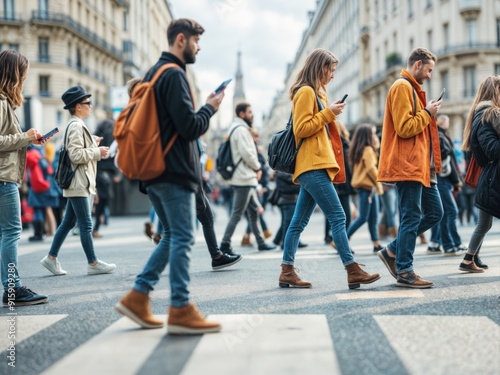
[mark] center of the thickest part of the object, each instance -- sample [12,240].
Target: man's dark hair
[421,54]
[184,26]
[241,107]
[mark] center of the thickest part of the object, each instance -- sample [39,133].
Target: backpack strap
[228,139]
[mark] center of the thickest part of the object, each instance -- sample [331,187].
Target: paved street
[451,329]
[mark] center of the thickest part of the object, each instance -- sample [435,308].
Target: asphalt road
[452,328]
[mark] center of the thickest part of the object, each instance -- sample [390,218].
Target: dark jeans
[205,216]
[99,210]
[368,213]
[287,211]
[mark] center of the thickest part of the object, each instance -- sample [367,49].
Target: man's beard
[248,121]
[189,55]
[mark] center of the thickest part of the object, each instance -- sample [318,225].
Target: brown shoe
[423,240]
[148,229]
[412,280]
[96,235]
[188,320]
[157,238]
[136,306]
[267,233]
[356,276]
[245,241]
[288,278]
[471,267]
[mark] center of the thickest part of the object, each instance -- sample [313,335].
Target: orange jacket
[317,150]
[408,139]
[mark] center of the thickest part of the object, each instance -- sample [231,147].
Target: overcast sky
[268,33]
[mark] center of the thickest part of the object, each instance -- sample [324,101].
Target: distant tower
[239,93]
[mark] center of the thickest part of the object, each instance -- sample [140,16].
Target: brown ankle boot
[188,320]
[356,276]
[245,241]
[267,233]
[288,278]
[136,306]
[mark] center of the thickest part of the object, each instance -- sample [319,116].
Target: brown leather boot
[267,233]
[423,240]
[382,231]
[136,306]
[188,320]
[393,231]
[245,241]
[288,278]
[356,276]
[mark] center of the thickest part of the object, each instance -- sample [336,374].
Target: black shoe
[302,245]
[412,280]
[377,248]
[478,262]
[35,238]
[226,249]
[389,262]
[225,260]
[433,250]
[23,297]
[328,239]
[266,246]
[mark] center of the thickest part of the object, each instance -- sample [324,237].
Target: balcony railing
[44,58]
[11,17]
[70,23]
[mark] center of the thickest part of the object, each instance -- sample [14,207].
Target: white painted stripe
[490,273]
[411,293]
[23,326]
[266,344]
[122,348]
[300,255]
[422,342]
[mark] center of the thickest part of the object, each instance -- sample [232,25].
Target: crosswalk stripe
[266,344]
[121,348]
[372,294]
[21,327]
[422,341]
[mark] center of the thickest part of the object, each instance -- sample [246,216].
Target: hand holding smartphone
[46,136]
[344,98]
[442,94]
[223,85]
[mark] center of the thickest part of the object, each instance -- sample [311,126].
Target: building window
[445,83]
[412,43]
[44,86]
[380,112]
[428,4]
[429,40]
[43,9]
[14,46]
[78,60]
[410,9]
[469,81]
[471,36]
[497,69]
[125,20]
[43,49]
[8,6]
[446,35]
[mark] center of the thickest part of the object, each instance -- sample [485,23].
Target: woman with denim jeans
[84,152]
[319,161]
[363,158]
[13,144]
[482,137]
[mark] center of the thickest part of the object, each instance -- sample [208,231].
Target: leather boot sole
[173,329]
[287,285]
[129,314]
[358,284]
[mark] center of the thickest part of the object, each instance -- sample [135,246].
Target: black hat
[73,95]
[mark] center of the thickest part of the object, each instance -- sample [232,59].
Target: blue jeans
[389,208]
[445,232]
[368,212]
[10,232]
[175,207]
[420,209]
[77,212]
[316,188]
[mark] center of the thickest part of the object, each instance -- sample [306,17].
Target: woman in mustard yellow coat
[320,161]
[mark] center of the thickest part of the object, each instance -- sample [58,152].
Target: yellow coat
[317,150]
[364,174]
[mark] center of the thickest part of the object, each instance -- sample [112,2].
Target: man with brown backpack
[172,193]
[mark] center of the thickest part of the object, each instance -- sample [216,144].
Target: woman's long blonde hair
[317,65]
[489,90]
[13,72]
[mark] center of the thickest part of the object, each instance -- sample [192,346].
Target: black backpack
[224,161]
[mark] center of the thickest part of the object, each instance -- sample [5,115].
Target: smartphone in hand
[344,98]
[48,135]
[223,85]
[442,94]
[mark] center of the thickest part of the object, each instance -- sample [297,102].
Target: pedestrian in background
[482,138]
[13,144]
[363,159]
[173,192]
[320,161]
[410,157]
[84,152]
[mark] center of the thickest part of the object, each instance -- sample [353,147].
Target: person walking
[410,157]
[244,179]
[445,232]
[482,138]
[84,152]
[363,159]
[173,192]
[13,144]
[319,162]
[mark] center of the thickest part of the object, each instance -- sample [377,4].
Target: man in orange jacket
[410,157]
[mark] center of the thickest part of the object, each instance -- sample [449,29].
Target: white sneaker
[53,266]
[100,267]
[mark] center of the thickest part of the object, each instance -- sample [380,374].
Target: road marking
[279,255]
[24,326]
[380,294]
[446,344]
[121,348]
[266,344]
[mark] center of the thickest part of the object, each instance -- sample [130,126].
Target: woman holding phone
[13,144]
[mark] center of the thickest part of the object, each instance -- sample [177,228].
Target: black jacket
[485,145]
[287,190]
[450,166]
[177,115]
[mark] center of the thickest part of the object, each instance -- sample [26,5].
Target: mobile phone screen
[223,85]
[48,135]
